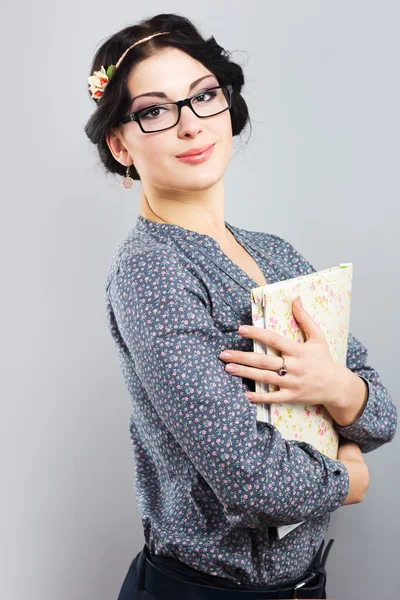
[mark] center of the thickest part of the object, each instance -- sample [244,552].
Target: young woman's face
[154,154]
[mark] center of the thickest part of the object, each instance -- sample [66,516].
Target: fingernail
[249,396]
[225,354]
[243,329]
[300,301]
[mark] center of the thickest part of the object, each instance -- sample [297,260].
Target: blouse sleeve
[162,312]
[378,422]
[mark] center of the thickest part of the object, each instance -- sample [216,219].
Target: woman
[212,482]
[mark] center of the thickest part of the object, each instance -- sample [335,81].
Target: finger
[257,359]
[270,397]
[262,375]
[305,321]
[271,338]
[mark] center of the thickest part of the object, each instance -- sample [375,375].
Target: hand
[312,373]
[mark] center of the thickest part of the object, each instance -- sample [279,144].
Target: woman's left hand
[312,374]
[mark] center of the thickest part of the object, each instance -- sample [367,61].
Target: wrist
[341,382]
[349,398]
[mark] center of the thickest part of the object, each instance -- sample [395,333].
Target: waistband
[166,587]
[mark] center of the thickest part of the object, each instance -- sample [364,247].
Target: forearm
[359,481]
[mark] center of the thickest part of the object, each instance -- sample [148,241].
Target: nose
[189,122]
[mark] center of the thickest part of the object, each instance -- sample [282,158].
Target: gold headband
[99,79]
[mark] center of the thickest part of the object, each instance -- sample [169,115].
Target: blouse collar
[168,229]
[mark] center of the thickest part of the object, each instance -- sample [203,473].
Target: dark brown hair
[116,99]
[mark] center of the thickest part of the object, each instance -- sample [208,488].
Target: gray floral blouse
[212,482]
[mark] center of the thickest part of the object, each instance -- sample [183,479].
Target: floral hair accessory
[100,79]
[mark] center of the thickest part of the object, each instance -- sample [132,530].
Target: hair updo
[116,100]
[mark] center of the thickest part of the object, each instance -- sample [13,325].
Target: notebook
[326,296]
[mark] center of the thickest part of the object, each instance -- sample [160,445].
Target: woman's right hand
[350,455]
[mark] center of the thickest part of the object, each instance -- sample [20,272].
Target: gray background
[321,169]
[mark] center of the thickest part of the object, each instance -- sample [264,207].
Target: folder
[326,296]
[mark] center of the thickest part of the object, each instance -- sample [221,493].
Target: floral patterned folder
[326,296]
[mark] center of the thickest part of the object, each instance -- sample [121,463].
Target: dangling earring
[127,182]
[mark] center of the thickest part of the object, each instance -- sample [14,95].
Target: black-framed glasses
[207,103]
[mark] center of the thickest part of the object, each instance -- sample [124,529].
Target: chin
[204,178]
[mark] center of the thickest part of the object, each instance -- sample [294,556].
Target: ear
[117,147]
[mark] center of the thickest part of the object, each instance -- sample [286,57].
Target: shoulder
[269,241]
[146,267]
[280,250]
[136,250]
[135,243]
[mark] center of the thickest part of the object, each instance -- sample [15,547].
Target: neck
[205,218]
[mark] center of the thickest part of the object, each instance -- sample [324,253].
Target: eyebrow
[163,95]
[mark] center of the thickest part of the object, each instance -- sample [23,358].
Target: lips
[194,151]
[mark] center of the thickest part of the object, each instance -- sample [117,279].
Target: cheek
[147,153]
[226,136]
[222,124]
[226,130]
[227,122]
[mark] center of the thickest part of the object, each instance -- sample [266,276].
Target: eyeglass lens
[206,104]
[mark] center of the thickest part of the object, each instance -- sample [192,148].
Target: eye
[201,96]
[148,113]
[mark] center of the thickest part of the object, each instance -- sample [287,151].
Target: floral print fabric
[212,482]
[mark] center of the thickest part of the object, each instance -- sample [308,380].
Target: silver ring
[283,370]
